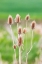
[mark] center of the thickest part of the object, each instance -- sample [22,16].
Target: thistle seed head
[14,46]
[24,30]
[33,24]
[27,17]
[19,40]
[10,20]
[20,30]
[17,19]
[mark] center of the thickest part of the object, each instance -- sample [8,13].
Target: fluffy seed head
[19,40]
[27,17]
[10,20]
[17,19]
[20,30]
[24,30]
[33,24]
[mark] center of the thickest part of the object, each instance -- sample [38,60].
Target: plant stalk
[26,60]
[12,35]
[32,39]
[20,55]
[15,53]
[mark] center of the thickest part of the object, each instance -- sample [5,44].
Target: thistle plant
[20,42]
[17,19]
[19,30]
[27,18]
[10,22]
[33,24]
[24,32]
[20,33]
[15,50]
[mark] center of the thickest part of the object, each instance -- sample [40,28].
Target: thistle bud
[10,20]
[24,30]
[17,19]
[33,24]
[27,17]
[20,30]
[14,46]
[19,40]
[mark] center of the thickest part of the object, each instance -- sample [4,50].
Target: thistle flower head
[33,24]
[17,19]
[10,20]
[14,46]
[27,17]
[20,30]
[19,40]
[24,30]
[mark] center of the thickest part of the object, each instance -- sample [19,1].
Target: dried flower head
[19,40]
[14,46]
[33,24]
[27,17]
[20,30]
[24,30]
[10,20]
[17,19]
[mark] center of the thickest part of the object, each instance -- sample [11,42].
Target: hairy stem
[20,55]
[26,48]
[26,60]
[31,38]
[26,37]
[12,35]
[15,53]
[17,29]
[30,47]
[23,43]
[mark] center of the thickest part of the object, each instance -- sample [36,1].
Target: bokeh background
[22,7]
[33,7]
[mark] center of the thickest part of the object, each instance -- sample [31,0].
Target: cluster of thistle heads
[19,28]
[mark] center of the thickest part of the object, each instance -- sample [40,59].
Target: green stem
[12,35]
[23,43]
[17,25]
[17,29]
[26,43]
[15,53]
[26,37]
[20,55]
[30,47]
[32,39]
[26,60]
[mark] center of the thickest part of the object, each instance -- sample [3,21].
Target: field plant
[22,37]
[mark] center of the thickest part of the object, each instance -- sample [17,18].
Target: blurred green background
[23,7]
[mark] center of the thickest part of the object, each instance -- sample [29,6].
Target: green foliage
[7,51]
[23,7]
